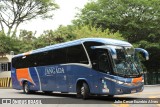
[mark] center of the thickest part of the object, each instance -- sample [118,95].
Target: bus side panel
[53,78]
[109,87]
[25,74]
[102,85]
[15,82]
[47,78]
[61,78]
[78,72]
[34,75]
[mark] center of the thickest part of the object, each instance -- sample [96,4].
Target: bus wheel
[26,88]
[84,91]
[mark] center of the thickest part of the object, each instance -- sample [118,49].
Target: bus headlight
[120,82]
[133,84]
[128,84]
[124,83]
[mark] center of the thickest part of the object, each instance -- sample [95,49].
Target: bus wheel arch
[82,89]
[26,87]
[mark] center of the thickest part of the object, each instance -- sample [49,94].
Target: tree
[137,21]
[27,36]
[68,33]
[26,40]
[6,44]
[3,44]
[15,12]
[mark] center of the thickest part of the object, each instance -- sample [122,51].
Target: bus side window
[58,56]
[92,53]
[76,54]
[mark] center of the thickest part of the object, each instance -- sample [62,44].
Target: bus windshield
[127,63]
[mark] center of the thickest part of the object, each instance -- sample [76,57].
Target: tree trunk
[9,31]
[15,30]
[2,27]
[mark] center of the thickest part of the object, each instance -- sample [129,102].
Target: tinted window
[18,62]
[91,51]
[59,56]
[76,54]
[103,61]
[73,54]
[100,58]
[5,66]
[41,59]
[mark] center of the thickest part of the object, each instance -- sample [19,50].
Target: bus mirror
[145,53]
[111,50]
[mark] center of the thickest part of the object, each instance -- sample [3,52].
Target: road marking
[144,93]
[115,105]
[154,97]
[150,92]
[121,105]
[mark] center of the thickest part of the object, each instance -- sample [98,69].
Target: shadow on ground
[64,98]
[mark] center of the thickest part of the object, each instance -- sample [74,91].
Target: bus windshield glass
[127,63]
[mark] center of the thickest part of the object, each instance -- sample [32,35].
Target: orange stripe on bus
[134,80]
[27,53]
[23,74]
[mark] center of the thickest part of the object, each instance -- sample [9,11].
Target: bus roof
[106,41]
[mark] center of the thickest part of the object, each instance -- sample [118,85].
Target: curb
[6,88]
[156,85]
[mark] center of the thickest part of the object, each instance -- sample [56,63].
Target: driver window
[103,62]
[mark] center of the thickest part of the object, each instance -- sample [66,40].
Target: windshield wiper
[130,62]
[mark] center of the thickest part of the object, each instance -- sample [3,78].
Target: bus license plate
[133,91]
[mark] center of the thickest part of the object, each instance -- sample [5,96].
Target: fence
[151,78]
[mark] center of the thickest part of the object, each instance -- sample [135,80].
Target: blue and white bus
[97,66]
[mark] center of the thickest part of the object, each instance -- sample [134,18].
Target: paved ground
[150,92]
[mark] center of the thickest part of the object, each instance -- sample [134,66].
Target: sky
[62,16]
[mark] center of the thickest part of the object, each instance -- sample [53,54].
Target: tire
[84,91]
[26,88]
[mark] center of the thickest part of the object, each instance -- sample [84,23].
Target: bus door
[103,64]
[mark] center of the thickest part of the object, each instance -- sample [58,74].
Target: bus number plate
[133,91]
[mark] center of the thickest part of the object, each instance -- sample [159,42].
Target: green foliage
[154,49]
[88,31]
[5,43]
[68,33]
[8,44]
[26,40]
[137,21]
[16,12]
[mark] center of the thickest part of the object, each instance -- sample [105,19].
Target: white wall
[4,59]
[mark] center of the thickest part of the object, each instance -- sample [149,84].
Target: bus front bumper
[128,88]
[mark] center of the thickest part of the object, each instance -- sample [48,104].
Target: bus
[88,66]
